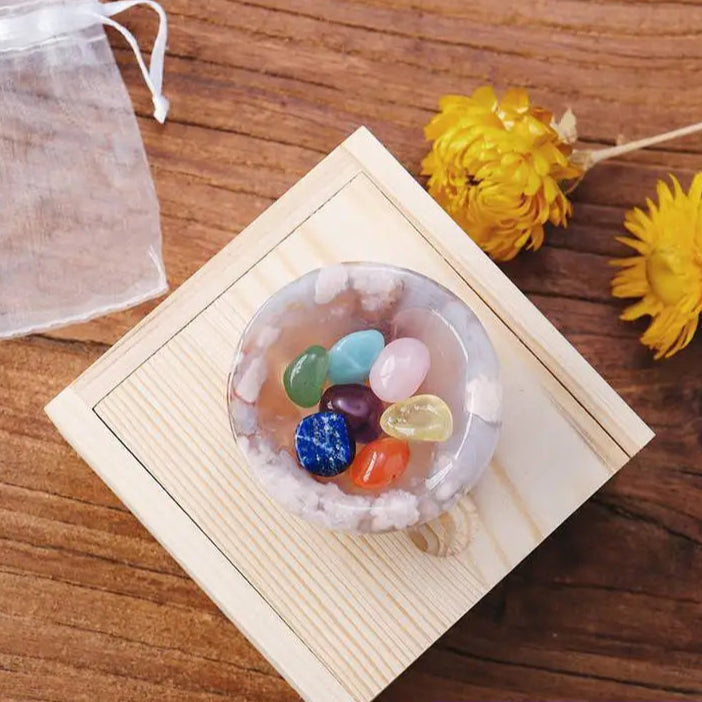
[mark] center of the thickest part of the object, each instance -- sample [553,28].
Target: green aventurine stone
[304,377]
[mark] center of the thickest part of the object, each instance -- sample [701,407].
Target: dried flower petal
[667,272]
[497,168]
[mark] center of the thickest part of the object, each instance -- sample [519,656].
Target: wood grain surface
[610,607]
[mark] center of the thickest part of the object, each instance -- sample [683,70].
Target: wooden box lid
[340,616]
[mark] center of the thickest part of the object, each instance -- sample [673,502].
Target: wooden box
[339,616]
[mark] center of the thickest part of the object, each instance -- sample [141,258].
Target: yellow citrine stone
[419,418]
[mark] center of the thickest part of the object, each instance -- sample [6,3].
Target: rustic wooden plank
[276,89]
[603,565]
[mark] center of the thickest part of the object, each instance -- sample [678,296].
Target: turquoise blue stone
[351,358]
[323,444]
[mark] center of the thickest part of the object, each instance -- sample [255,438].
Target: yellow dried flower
[667,272]
[497,168]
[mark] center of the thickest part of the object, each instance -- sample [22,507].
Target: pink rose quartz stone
[430,332]
[400,369]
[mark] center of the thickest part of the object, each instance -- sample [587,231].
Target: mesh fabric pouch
[80,233]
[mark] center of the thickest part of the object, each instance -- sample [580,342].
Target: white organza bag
[80,233]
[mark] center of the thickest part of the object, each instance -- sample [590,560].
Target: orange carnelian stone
[380,463]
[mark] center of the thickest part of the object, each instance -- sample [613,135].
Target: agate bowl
[318,309]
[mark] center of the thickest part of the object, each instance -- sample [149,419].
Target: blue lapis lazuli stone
[323,444]
[351,358]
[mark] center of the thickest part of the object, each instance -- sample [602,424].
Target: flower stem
[614,151]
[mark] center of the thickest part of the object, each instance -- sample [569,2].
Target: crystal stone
[320,309]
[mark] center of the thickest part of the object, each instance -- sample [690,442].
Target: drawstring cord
[153,75]
[35,25]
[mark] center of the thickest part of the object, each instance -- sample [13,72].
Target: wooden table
[610,607]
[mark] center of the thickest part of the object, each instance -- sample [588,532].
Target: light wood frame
[340,616]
